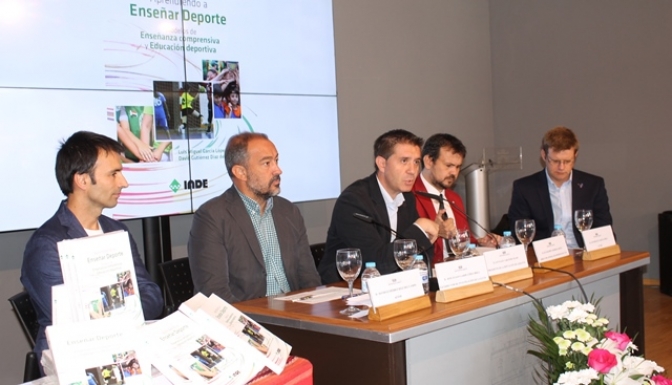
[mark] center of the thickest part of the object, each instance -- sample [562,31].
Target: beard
[447,183]
[267,191]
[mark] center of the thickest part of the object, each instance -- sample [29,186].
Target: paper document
[359,300]
[319,295]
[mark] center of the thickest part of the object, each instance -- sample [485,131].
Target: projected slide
[172,81]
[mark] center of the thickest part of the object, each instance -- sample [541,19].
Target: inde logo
[174,185]
[188,184]
[195,183]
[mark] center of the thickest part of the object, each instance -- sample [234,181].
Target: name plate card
[550,248]
[506,260]
[393,288]
[461,272]
[598,238]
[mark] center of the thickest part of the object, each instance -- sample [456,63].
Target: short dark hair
[236,149]
[559,139]
[436,142]
[384,145]
[78,155]
[231,88]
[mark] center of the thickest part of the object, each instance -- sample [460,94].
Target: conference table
[477,340]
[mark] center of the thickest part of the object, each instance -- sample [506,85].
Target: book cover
[248,335]
[99,273]
[108,352]
[188,353]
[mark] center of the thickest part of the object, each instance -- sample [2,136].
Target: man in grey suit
[551,195]
[248,242]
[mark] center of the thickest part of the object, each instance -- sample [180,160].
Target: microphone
[583,292]
[368,219]
[454,206]
[433,283]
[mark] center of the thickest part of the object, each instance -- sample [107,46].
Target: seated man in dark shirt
[386,197]
[88,170]
[551,195]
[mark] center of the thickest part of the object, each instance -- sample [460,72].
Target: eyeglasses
[559,162]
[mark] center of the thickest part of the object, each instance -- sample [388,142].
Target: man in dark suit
[248,242]
[551,196]
[385,197]
[88,170]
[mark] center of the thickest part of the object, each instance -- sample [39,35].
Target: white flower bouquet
[577,348]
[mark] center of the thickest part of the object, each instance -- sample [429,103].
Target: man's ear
[239,172]
[427,162]
[81,181]
[381,163]
[543,155]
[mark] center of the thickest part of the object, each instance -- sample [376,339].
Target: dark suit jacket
[41,267]
[364,197]
[225,256]
[530,199]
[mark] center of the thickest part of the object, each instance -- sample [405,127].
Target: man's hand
[430,228]
[491,240]
[447,227]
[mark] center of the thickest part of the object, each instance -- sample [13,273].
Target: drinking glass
[404,252]
[349,263]
[583,219]
[525,230]
[459,243]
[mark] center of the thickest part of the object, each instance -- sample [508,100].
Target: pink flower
[601,360]
[621,339]
[660,380]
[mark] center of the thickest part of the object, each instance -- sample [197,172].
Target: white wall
[601,68]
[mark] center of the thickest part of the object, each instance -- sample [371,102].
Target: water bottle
[369,272]
[558,231]
[472,251]
[507,241]
[420,264]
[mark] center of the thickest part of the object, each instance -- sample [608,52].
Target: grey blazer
[225,255]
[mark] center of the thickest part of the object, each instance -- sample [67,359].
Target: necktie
[442,207]
[444,217]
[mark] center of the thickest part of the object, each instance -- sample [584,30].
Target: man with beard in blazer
[385,196]
[551,195]
[442,157]
[249,242]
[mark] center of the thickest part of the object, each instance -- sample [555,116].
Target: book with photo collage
[99,279]
[243,332]
[186,352]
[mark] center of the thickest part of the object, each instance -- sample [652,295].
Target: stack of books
[209,341]
[97,314]
[99,335]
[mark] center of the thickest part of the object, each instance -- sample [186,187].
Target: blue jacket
[41,267]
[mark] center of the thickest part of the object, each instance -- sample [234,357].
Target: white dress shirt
[561,202]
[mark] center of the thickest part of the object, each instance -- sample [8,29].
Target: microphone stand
[433,282]
[583,292]
[521,291]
